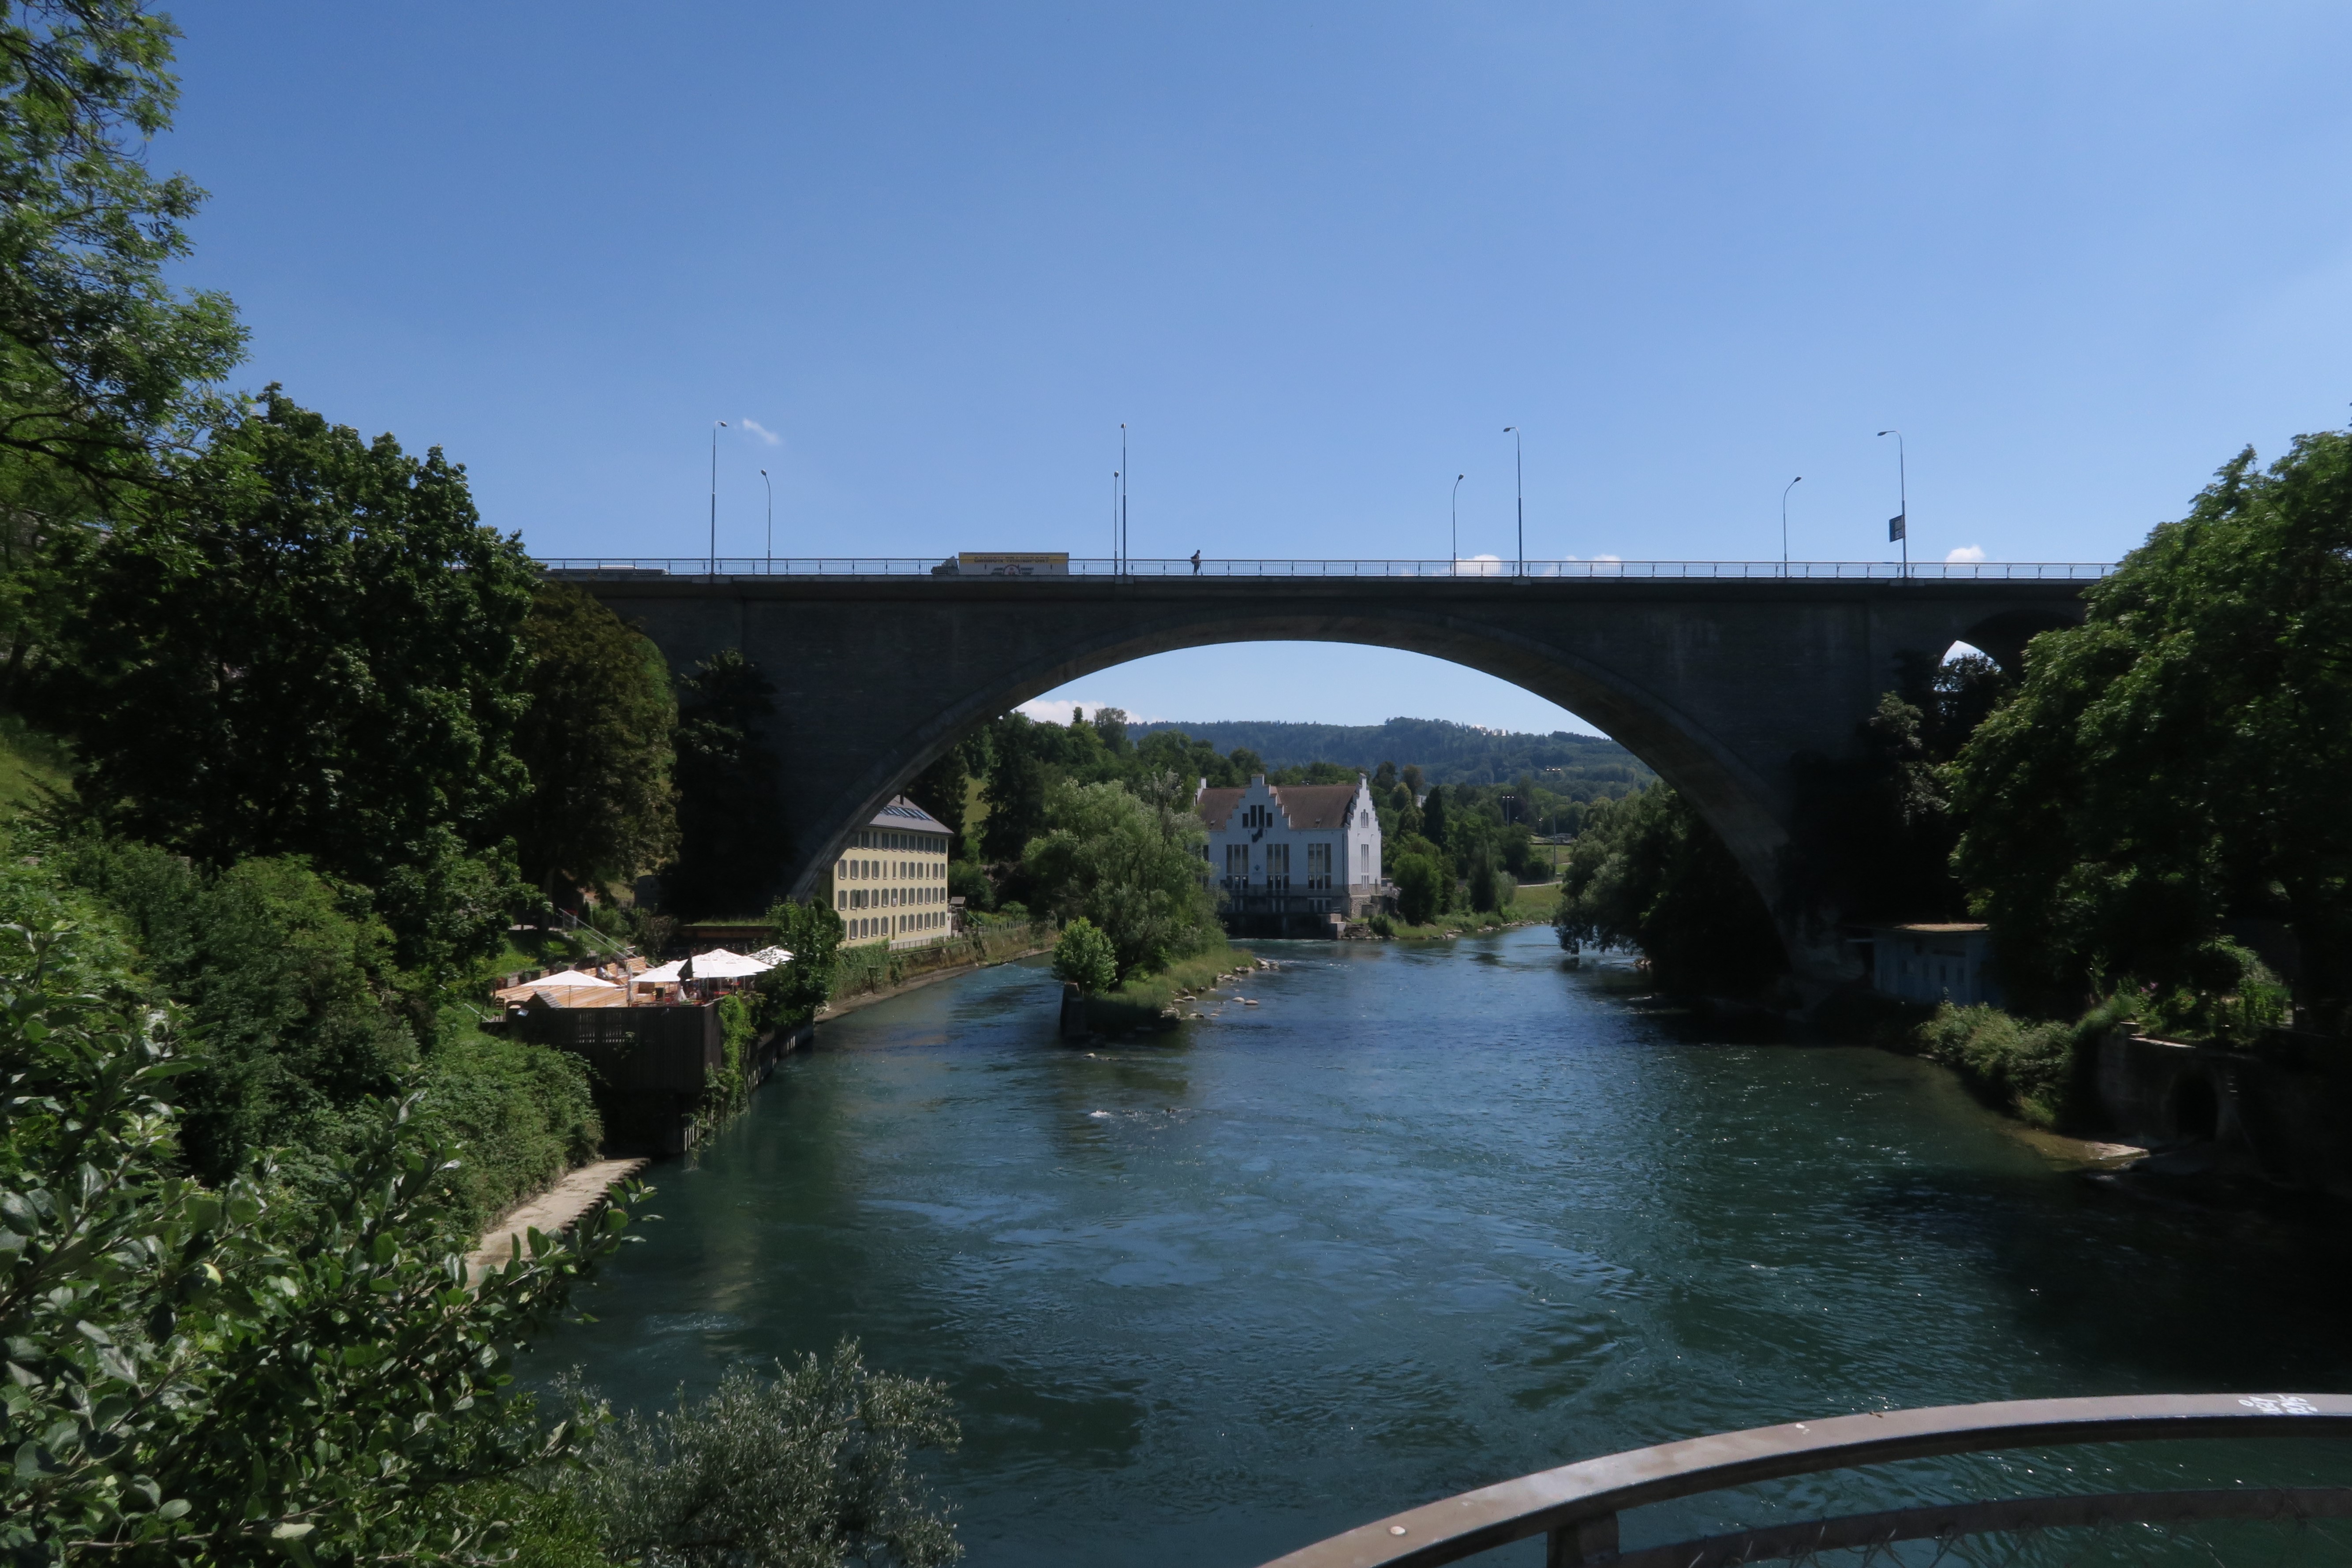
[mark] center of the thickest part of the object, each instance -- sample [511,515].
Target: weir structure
[1720,676]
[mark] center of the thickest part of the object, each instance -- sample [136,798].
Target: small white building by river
[1279,852]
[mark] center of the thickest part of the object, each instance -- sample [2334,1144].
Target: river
[1425,1217]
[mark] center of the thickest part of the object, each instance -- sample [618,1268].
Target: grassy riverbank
[869,971]
[1142,1000]
[1529,905]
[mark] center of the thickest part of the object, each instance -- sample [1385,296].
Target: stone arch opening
[2196,1109]
[1730,794]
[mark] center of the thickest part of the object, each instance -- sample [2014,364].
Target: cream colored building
[890,885]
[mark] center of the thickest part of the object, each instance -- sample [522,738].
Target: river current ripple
[1424,1218]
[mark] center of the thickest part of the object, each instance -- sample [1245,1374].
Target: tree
[311,645]
[1433,824]
[1648,872]
[808,1467]
[100,357]
[1083,956]
[1016,787]
[597,740]
[1420,887]
[731,837]
[811,932]
[2179,761]
[168,1341]
[942,788]
[1135,870]
[297,1011]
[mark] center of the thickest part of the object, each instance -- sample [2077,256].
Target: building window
[1278,866]
[1237,862]
[1364,862]
[1319,864]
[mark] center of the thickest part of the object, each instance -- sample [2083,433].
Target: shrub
[214,1374]
[521,1115]
[809,1466]
[2026,1065]
[1419,885]
[791,992]
[1084,957]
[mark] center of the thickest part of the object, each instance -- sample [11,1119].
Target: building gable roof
[907,817]
[1302,805]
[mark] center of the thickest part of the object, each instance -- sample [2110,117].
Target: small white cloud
[1966,553]
[1609,558]
[1057,709]
[761,431]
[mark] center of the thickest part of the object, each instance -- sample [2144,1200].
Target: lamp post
[1898,527]
[1122,497]
[1114,522]
[1792,484]
[1520,468]
[1454,567]
[771,519]
[716,425]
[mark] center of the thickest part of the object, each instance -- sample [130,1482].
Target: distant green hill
[1584,765]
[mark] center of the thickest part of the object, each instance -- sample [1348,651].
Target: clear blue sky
[1317,255]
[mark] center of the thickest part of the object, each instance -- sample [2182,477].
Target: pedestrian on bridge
[1196,564]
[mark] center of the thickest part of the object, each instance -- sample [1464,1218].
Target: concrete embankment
[579,1194]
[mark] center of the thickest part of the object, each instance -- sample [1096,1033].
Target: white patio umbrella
[720,964]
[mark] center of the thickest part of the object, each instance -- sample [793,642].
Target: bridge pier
[1719,684]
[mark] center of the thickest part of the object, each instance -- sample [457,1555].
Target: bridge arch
[1721,686]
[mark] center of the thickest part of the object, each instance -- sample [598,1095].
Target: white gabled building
[1294,854]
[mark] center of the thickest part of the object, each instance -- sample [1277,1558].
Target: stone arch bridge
[1718,677]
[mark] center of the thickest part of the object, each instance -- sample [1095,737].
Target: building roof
[1948,928]
[906,817]
[1302,805]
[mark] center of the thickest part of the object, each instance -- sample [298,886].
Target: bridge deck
[706,568]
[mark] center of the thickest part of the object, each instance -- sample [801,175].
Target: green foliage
[311,646]
[1084,956]
[2179,761]
[1649,873]
[792,993]
[730,1089]
[210,1375]
[2024,1066]
[597,741]
[295,1010]
[2228,1012]
[1563,768]
[969,882]
[1875,829]
[1420,888]
[518,1114]
[1133,868]
[942,788]
[807,1469]
[100,358]
[731,841]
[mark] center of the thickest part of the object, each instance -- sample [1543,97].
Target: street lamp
[1454,565]
[1122,497]
[716,425]
[1898,527]
[771,519]
[1792,484]
[1518,467]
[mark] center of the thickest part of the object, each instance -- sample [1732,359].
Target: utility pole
[1792,484]
[1898,527]
[716,427]
[1454,565]
[1519,467]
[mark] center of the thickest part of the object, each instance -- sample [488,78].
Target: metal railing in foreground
[1576,1507]
[1474,570]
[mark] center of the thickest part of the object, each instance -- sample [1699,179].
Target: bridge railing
[611,567]
[1576,1507]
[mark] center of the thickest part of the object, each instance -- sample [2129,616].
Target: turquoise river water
[1423,1218]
